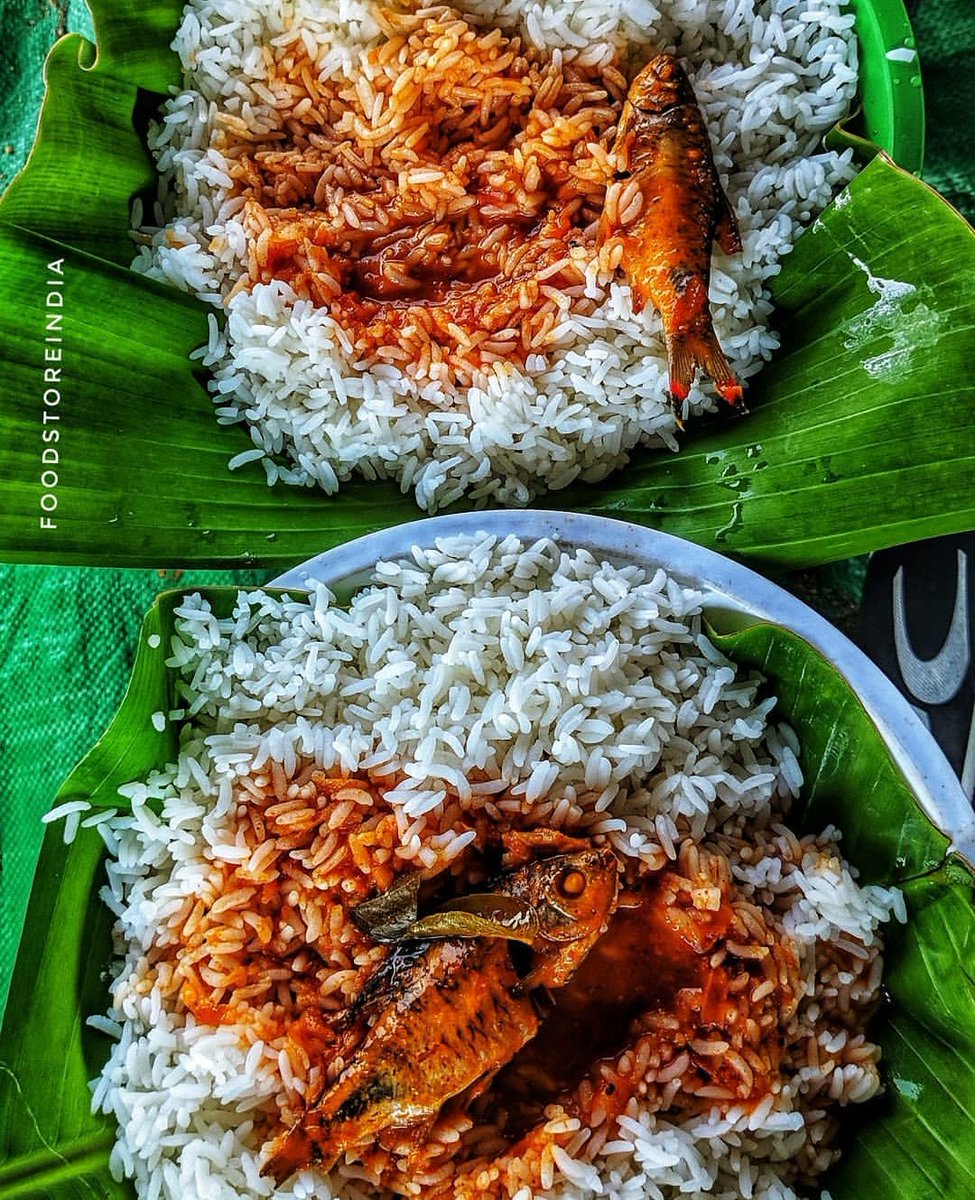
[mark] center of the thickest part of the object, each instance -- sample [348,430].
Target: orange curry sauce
[655,958]
[268,943]
[442,203]
[255,945]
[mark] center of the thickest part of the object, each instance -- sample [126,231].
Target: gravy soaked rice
[396,213]
[481,685]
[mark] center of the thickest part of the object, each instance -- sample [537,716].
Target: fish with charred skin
[440,1017]
[662,144]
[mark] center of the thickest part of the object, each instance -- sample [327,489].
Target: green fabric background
[68,636]
[945,32]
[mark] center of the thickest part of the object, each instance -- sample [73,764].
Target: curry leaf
[394,915]
[911,1144]
[859,435]
[386,917]
[480,915]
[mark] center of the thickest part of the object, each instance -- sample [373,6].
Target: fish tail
[699,348]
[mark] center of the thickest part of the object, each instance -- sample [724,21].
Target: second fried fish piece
[662,146]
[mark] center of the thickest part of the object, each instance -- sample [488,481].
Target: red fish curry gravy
[445,203]
[684,999]
[664,977]
[441,205]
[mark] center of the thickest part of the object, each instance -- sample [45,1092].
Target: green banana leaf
[859,437]
[910,1144]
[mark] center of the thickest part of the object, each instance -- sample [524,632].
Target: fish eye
[571,883]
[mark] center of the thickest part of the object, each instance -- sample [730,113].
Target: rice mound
[771,77]
[482,682]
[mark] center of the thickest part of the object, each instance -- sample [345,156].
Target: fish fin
[479,1087]
[408,1137]
[523,847]
[699,348]
[726,228]
[291,1152]
[529,982]
[547,972]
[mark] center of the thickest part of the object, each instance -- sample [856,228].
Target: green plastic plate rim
[891,92]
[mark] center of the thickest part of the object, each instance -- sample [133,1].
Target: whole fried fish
[662,144]
[439,1017]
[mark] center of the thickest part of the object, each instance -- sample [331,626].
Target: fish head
[574,895]
[661,85]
